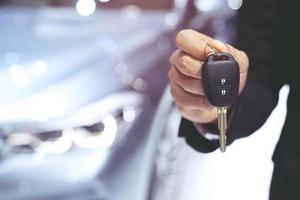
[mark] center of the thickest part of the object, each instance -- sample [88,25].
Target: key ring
[213,50]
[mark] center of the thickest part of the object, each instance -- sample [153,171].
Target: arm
[260,94]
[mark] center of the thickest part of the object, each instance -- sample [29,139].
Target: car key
[221,78]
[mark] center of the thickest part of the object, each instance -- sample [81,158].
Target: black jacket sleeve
[255,25]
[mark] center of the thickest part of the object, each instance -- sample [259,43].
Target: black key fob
[221,79]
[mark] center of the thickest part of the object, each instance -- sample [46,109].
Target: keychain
[221,78]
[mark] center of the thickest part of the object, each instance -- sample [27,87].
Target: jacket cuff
[204,137]
[195,139]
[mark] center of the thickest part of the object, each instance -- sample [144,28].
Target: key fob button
[223,91]
[223,81]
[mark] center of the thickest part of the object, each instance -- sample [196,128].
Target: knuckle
[176,76]
[181,35]
[185,32]
[178,98]
[175,94]
[172,57]
[172,75]
[183,112]
[180,108]
[179,38]
[183,59]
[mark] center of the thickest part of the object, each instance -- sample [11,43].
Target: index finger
[196,44]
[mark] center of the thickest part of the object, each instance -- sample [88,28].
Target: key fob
[221,79]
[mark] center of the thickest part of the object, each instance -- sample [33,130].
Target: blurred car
[85,108]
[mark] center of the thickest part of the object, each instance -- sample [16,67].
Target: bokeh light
[235,4]
[19,76]
[86,7]
[39,67]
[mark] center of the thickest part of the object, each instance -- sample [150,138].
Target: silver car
[85,111]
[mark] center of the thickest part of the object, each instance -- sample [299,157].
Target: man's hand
[185,74]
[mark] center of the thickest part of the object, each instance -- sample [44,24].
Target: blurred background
[85,109]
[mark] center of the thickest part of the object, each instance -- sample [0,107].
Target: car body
[84,101]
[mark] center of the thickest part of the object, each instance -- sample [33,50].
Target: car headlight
[101,124]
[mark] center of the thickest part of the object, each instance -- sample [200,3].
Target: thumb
[240,56]
[220,46]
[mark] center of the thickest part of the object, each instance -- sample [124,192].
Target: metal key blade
[222,125]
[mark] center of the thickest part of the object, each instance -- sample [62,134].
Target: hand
[185,74]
